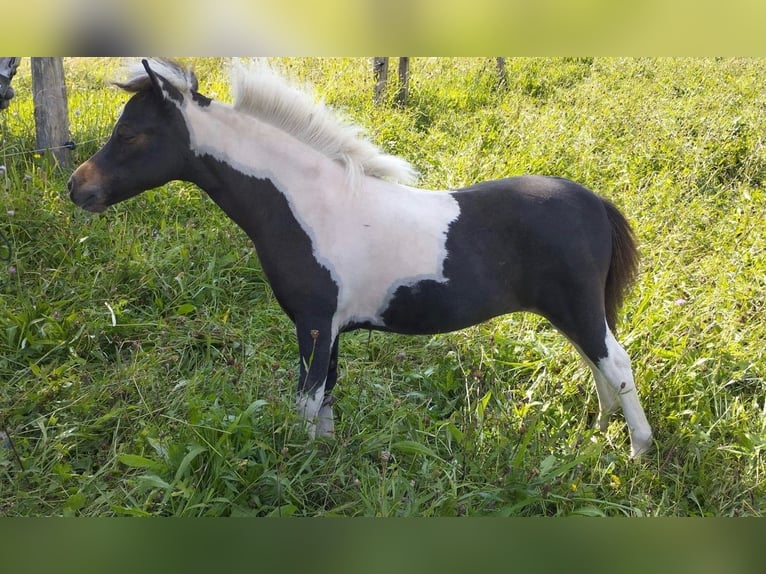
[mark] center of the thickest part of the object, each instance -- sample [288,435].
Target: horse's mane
[261,92]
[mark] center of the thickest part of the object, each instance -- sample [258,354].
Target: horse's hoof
[640,446]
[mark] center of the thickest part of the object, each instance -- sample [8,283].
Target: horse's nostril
[69,185]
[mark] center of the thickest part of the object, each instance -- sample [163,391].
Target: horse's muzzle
[85,190]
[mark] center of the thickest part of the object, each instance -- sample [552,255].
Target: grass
[147,370]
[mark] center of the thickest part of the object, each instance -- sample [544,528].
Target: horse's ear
[153,78]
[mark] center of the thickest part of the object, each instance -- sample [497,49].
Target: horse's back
[531,196]
[537,217]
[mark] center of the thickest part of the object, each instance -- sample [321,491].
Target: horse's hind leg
[613,375]
[581,318]
[608,400]
[615,368]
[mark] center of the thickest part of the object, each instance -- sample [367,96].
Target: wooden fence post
[51,111]
[404,81]
[380,70]
[501,73]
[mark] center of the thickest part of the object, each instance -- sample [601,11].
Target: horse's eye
[125,134]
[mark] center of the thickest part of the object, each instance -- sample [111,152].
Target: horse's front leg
[326,418]
[315,344]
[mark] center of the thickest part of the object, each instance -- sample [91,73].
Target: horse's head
[148,146]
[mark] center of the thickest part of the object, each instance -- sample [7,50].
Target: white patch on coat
[383,236]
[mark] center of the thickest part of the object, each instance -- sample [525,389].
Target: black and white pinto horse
[346,244]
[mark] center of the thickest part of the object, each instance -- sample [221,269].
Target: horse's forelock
[137,79]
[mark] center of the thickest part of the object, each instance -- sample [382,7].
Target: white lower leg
[616,370]
[608,401]
[640,431]
[309,407]
[325,420]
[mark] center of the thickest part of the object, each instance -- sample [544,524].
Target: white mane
[259,91]
[262,92]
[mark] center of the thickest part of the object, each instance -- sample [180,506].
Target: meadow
[146,369]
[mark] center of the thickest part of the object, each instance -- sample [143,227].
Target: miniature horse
[346,244]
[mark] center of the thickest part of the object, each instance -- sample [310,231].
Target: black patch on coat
[170,90]
[302,286]
[531,243]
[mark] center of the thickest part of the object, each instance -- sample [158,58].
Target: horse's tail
[623,267]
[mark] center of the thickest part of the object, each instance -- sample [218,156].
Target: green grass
[147,370]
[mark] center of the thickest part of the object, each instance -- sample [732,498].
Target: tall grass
[147,370]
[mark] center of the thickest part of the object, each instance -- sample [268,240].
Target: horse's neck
[240,158]
[251,146]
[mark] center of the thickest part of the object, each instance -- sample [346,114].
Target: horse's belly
[429,307]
